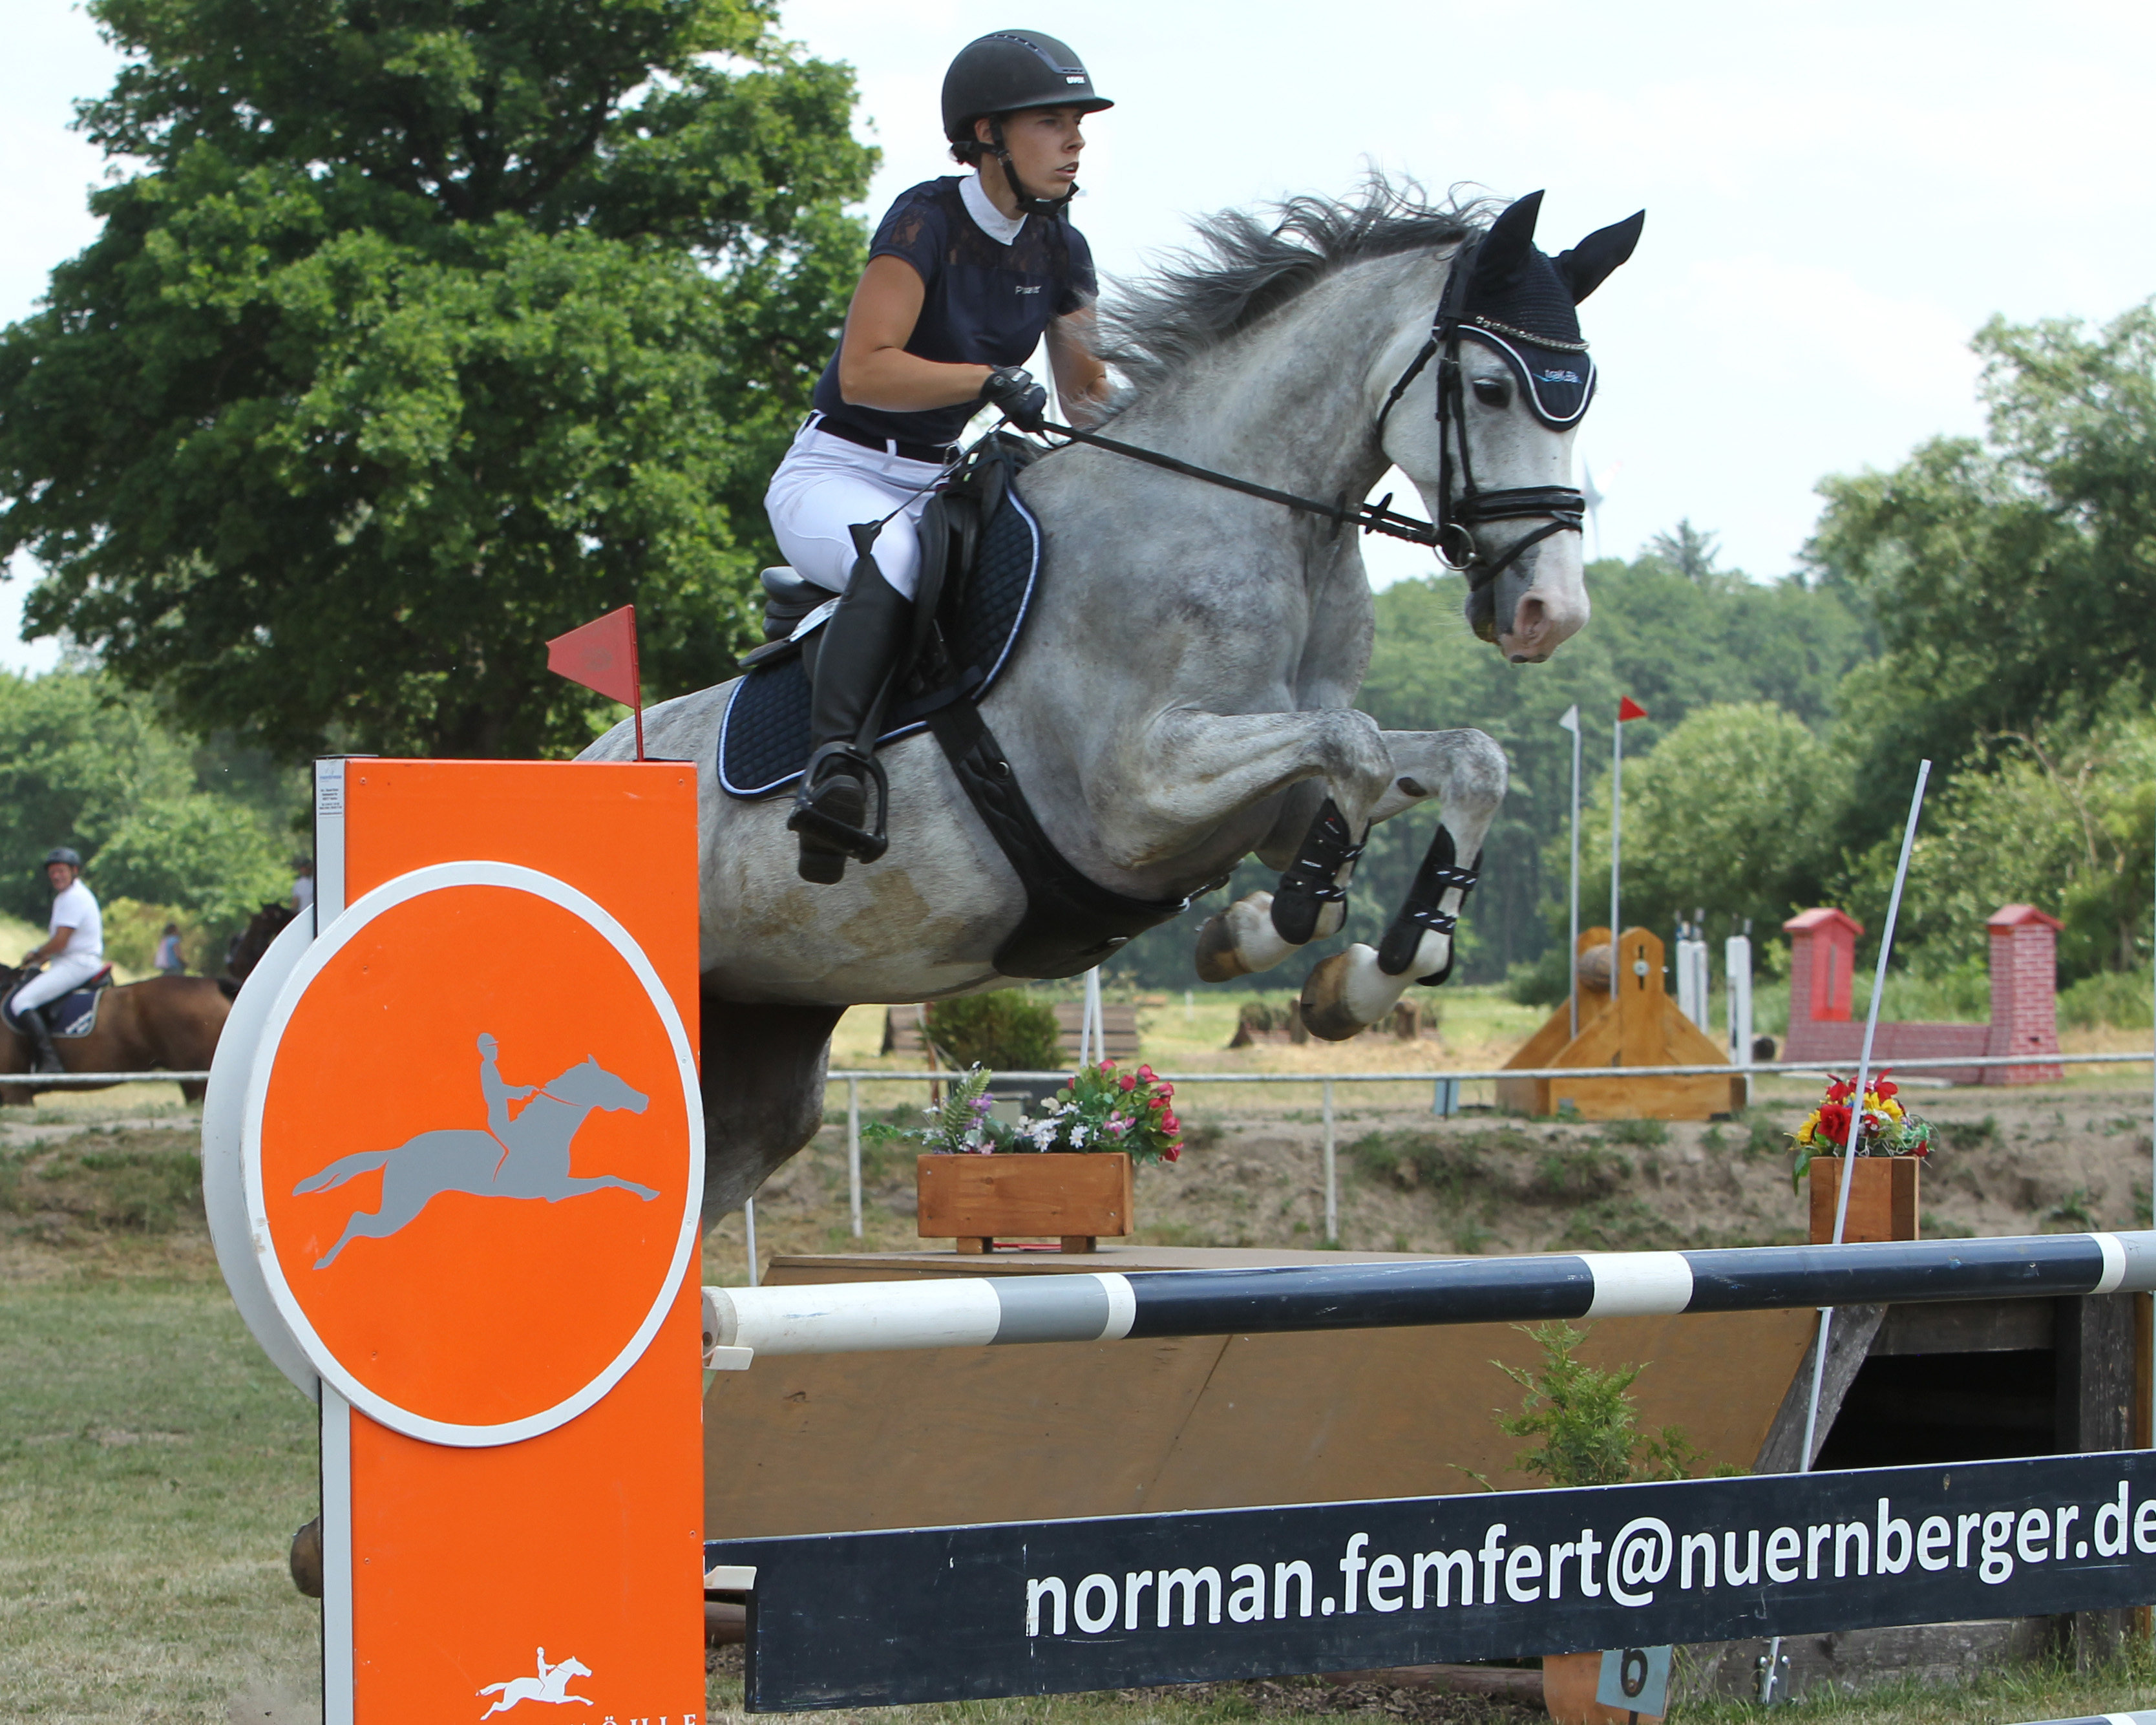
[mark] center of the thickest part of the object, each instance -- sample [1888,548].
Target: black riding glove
[1024,402]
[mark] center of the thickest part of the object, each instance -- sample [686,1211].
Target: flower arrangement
[1099,1109]
[1887,1128]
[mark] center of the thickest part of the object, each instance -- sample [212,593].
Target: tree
[426,330]
[1733,813]
[85,763]
[2010,577]
[1689,551]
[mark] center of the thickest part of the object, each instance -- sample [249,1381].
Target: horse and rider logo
[550,1685]
[525,1155]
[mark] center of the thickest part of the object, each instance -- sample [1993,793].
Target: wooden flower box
[1883,1203]
[1072,1197]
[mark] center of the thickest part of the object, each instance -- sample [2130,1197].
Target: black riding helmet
[62,854]
[1010,70]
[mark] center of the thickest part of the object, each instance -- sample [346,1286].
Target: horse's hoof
[1325,1010]
[1216,959]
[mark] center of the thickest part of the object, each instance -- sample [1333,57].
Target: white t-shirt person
[76,908]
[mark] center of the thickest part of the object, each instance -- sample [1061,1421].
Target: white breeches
[70,970]
[825,485]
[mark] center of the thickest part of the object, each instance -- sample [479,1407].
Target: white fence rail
[1447,1092]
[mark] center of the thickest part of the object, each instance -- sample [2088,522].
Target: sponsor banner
[1035,1608]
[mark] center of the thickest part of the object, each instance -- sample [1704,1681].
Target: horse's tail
[345,1167]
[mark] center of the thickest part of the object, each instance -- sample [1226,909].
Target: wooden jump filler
[1637,1025]
[453,1160]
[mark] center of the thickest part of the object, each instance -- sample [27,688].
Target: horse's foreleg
[576,1187]
[1465,771]
[1201,770]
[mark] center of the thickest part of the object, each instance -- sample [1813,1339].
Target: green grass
[153,1466]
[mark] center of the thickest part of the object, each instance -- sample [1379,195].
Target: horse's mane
[1242,266]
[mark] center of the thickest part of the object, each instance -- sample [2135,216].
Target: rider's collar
[982,208]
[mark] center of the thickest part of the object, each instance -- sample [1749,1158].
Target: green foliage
[1585,1419]
[1735,812]
[2062,822]
[414,337]
[2008,575]
[2120,999]
[83,763]
[1004,1029]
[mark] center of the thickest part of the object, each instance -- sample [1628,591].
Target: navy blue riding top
[986,303]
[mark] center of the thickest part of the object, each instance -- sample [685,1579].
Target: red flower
[1156,1103]
[1169,1123]
[1883,1090]
[1146,1073]
[1127,1083]
[1168,1089]
[1107,1065]
[1172,1153]
[1834,1123]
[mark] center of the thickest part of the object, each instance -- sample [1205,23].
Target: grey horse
[1184,694]
[528,1159]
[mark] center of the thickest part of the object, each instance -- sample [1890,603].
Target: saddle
[73,1015]
[980,564]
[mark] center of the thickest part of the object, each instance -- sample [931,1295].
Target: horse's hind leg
[1354,990]
[402,1199]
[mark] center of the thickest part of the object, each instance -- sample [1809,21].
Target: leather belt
[939,453]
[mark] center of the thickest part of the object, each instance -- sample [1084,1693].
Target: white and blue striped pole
[970,1312]
[2140,1718]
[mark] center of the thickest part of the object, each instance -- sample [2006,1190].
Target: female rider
[964,277]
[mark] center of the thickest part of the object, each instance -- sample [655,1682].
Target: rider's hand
[1024,402]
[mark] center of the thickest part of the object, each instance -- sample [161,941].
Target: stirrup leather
[863,845]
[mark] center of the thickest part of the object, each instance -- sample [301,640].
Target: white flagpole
[1570,721]
[1771,1671]
[1616,849]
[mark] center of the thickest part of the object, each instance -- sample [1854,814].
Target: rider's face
[1044,144]
[60,875]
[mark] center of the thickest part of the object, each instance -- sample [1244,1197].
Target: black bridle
[1562,507]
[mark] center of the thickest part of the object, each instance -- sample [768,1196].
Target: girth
[1071,922]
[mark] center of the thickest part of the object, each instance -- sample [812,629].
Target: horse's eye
[1492,392]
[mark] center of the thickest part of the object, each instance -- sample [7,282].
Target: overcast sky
[1837,194]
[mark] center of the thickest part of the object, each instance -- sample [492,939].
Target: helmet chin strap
[1027,204]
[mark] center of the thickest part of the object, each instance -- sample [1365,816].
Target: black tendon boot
[856,660]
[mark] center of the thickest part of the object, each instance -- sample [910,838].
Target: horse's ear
[1510,237]
[1587,264]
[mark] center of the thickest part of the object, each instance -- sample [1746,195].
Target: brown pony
[168,1023]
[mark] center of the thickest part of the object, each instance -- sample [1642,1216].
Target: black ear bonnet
[1520,303]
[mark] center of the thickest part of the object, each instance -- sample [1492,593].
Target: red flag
[602,655]
[1629,709]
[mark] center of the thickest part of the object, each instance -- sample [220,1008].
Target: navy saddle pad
[763,739]
[73,1013]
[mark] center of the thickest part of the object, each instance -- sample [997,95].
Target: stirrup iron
[863,843]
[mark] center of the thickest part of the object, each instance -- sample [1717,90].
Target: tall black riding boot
[856,658]
[48,1058]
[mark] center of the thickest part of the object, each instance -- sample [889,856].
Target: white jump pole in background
[1772,1668]
[1737,974]
[1570,722]
[853,1151]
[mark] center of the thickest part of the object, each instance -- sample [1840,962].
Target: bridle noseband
[1562,506]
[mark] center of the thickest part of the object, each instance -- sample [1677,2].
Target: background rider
[72,954]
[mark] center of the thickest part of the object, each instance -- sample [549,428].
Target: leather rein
[1562,507]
